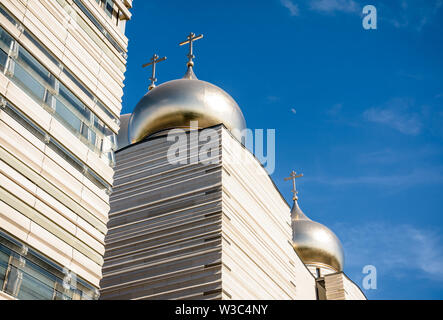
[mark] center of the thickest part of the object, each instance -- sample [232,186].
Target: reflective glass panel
[28,83]
[4,258]
[25,59]
[5,40]
[3,59]
[29,275]
[76,103]
[67,115]
[34,289]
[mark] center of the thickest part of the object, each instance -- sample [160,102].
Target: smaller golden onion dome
[177,103]
[314,243]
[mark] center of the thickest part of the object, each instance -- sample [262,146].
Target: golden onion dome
[314,243]
[177,103]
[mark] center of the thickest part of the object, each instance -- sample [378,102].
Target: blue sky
[359,112]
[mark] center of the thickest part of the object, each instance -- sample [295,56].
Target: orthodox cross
[294,176]
[190,39]
[154,60]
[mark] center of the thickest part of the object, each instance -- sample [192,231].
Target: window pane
[76,103]
[48,99]
[105,110]
[33,289]
[109,7]
[67,116]
[77,82]
[26,59]
[61,296]
[95,179]
[12,281]
[98,124]
[5,40]
[92,137]
[20,118]
[38,45]
[28,82]
[99,26]
[4,258]
[7,15]
[3,58]
[62,152]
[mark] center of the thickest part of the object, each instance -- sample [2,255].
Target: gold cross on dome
[190,39]
[154,60]
[294,176]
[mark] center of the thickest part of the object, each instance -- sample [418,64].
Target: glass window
[65,154]
[49,100]
[37,277]
[7,15]
[107,112]
[34,289]
[3,59]
[26,60]
[59,295]
[95,179]
[84,131]
[92,137]
[98,124]
[47,266]
[40,46]
[75,102]
[4,260]
[81,86]
[99,26]
[5,40]
[32,276]
[28,83]
[109,7]
[67,115]
[111,158]
[20,118]
[12,281]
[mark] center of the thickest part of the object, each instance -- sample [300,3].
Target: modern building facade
[214,230]
[206,230]
[62,65]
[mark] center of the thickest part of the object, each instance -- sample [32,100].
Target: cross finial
[190,39]
[294,176]
[154,60]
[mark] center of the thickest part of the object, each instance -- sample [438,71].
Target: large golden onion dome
[314,243]
[174,104]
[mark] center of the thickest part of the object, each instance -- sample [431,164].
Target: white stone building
[62,65]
